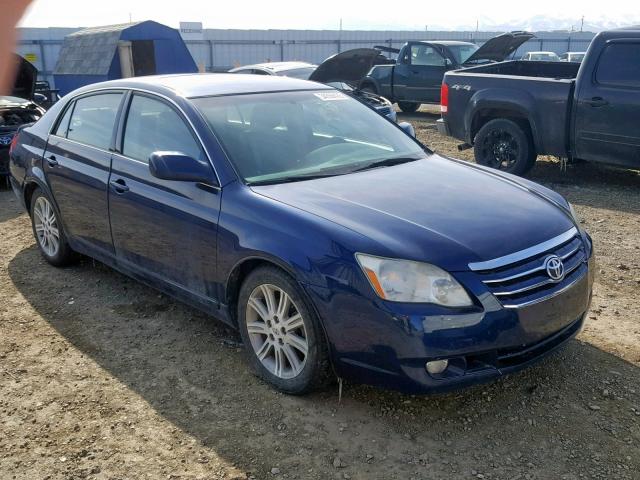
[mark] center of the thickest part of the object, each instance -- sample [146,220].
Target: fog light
[437,366]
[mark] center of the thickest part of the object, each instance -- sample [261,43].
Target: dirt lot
[103,378]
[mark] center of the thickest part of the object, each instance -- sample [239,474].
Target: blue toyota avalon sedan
[336,243]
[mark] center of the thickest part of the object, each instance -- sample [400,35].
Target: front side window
[93,119]
[619,65]
[152,126]
[289,136]
[426,55]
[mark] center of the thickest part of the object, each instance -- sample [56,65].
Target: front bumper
[388,345]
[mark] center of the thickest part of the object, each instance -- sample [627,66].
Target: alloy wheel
[277,331]
[500,149]
[46,226]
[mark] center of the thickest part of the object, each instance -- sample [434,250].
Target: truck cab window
[425,55]
[619,65]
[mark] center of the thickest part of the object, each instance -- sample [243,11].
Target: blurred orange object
[12,12]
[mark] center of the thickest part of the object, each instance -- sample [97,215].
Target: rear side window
[619,65]
[93,119]
[61,130]
[154,126]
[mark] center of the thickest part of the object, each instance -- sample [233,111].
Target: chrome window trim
[524,254]
[148,92]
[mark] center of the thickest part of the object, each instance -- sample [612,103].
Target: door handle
[597,102]
[52,161]
[119,185]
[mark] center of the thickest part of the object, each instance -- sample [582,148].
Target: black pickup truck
[416,75]
[511,112]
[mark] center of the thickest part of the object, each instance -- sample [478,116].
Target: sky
[355,15]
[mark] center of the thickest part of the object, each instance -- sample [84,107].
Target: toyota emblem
[555,268]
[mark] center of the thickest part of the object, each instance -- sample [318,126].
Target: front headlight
[409,281]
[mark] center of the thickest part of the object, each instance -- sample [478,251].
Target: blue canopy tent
[118,51]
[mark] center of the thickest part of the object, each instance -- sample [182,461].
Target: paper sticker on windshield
[330,96]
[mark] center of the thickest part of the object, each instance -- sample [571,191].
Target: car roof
[450,43]
[542,53]
[208,84]
[276,66]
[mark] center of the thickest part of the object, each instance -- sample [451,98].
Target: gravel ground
[103,378]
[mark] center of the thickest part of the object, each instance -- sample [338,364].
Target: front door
[164,230]
[608,107]
[426,68]
[76,164]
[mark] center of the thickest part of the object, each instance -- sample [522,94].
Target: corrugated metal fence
[220,50]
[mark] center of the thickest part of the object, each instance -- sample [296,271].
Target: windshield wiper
[294,178]
[387,162]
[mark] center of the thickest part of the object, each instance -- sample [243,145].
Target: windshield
[462,52]
[303,73]
[289,136]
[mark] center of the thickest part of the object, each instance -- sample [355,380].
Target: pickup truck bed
[536,90]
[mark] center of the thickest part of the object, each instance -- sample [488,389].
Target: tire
[409,107]
[48,231]
[369,88]
[505,145]
[275,349]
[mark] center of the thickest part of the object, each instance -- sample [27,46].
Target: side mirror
[180,167]
[407,128]
[447,62]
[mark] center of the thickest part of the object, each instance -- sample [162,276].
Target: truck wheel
[506,146]
[408,107]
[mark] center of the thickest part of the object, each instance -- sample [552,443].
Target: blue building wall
[171,56]
[68,83]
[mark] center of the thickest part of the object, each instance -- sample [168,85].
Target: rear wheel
[284,340]
[504,145]
[408,107]
[48,231]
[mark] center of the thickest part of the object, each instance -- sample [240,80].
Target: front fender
[517,102]
[313,250]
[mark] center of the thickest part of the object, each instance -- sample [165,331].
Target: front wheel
[282,335]
[504,145]
[48,231]
[409,107]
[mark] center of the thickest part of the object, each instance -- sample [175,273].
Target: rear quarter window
[93,119]
[619,65]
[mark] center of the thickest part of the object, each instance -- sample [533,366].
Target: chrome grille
[521,279]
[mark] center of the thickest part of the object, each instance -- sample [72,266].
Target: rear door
[422,69]
[608,107]
[164,230]
[76,164]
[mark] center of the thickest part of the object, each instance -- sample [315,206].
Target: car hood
[435,210]
[349,66]
[499,48]
[26,75]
